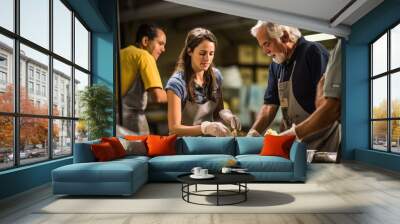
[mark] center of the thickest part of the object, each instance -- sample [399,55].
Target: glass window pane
[7,14]
[379,98]
[6,142]
[62,29]
[33,140]
[6,74]
[62,89]
[395,95]
[35,21]
[379,55]
[62,141]
[81,45]
[379,135]
[81,131]
[395,136]
[34,97]
[395,47]
[81,81]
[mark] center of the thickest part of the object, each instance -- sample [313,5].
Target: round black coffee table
[238,179]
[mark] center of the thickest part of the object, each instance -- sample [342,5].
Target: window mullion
[389,106]
[16,83]
[73,82]
[371,89]
[50,81]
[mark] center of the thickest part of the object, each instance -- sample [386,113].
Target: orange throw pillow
[136,137]
[103,151]
[116,145]
[161,145]
[277,145]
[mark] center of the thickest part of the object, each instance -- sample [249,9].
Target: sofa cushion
[129,158]
[249,145]
[206,145]
[257,163]
[112,171]
[161,145]
[134,147]
[277,145]
[116,145]
[103,151]
[185,163]
[136,137]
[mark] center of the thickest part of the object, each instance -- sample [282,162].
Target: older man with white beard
[297,68]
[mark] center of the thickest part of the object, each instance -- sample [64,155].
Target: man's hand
[290,131]
[253,133]
[264,118]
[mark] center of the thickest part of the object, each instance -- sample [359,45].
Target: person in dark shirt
[297,68]
[328,103]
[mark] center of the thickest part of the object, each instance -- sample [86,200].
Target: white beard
[279,58]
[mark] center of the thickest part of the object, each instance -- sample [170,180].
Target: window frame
[388,74]
[16,115]
[3,71]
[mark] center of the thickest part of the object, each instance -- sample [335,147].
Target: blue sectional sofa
[125,176]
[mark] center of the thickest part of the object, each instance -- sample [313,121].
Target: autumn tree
[380,127]
[33,130]
[6,122]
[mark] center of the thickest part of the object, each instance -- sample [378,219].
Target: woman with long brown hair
[194,91]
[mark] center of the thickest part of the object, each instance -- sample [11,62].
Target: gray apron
[194,113]
[133,105]
[324,140]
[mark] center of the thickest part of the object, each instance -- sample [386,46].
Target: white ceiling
[324,16]
[321,9]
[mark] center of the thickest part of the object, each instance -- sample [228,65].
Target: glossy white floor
[377,188]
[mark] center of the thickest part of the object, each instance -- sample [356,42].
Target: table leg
[245,191]
[182,190]
[217,194]
[188,190]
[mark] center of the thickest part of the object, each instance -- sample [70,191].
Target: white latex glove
[230,119]
[290,131]
[215,129]
[253,133]
[270,132]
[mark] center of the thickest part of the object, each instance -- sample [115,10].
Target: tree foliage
[380,127]
[33,130]
[96,103]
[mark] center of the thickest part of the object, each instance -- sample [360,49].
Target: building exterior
[34,80]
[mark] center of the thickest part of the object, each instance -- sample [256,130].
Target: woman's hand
[232,120]
[215,129]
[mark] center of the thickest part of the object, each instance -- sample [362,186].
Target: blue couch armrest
[83,152]
[298,154]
